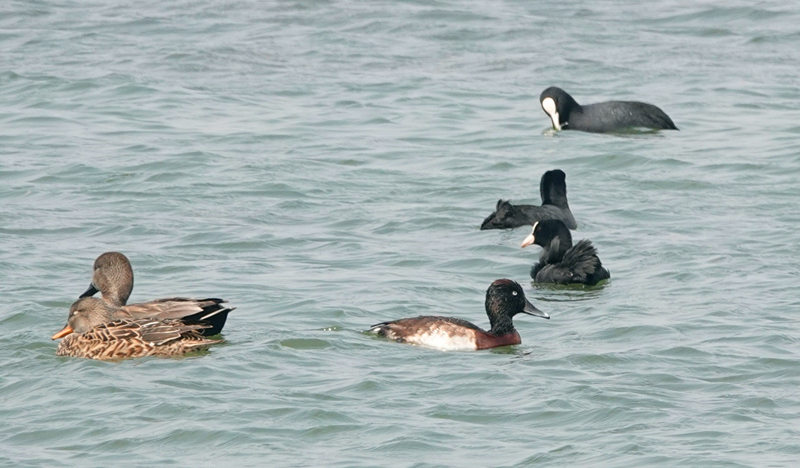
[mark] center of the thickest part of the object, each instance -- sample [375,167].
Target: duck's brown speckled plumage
[95,331]
[123,339]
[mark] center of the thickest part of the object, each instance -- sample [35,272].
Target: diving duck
[504,300]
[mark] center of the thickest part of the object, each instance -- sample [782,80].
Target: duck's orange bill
[66,331]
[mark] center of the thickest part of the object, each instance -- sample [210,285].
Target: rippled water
[326,165]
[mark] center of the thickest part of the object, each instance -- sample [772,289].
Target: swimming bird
[113,278]
[561,262]
[504,300]
[92,333]
[603,117]
[553,190]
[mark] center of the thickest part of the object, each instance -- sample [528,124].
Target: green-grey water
[325,166]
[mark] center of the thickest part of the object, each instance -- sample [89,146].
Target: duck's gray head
[112,277]
[85,314]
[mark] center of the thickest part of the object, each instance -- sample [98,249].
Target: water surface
[326,165]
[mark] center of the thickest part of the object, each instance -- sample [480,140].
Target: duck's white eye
[514,293]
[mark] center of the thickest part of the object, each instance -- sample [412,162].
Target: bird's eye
[514,293]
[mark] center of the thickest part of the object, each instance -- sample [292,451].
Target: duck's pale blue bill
[531,309]
[89,292]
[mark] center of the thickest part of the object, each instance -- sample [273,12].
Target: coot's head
[543,233]
[557,104]
[85,314]
[112,277]
[504,217]
[505,299]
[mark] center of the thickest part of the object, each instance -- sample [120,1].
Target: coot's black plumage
[553,190]
[561,262]
[603,117]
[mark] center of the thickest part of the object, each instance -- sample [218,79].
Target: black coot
[603,117]
[561,262]
[553,190]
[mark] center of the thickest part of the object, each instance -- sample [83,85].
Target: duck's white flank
[440,339]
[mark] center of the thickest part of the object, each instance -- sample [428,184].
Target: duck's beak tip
[64,332]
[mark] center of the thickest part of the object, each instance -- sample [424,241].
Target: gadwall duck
[553,190]
[561,262]
[504,300]
[113,278]
[91,332]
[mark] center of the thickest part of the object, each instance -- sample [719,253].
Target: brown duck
[113,278]
[504,299]
[92,332]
